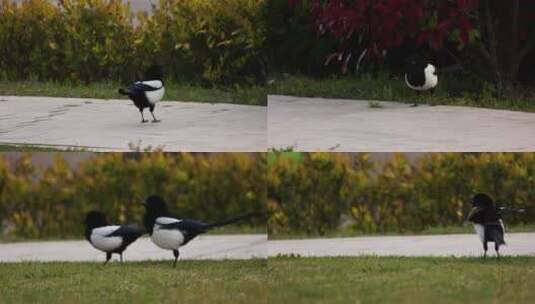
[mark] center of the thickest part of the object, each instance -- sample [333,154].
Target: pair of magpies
[488,222]
[166,231]
[147,92]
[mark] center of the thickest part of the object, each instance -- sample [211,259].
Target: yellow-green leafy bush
[88,40]
[51,202]
[397,196]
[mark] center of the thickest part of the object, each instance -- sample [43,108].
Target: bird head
[154,72]
[482,200]
[95,219]
[155,207]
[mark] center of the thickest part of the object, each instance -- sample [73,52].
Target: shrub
[218,42]
[37,203]
[309,197]
[291,41]
[397,196]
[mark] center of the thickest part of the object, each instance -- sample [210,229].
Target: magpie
[109,238]
[146,93]
[421,76]
[171,233]
[488,223]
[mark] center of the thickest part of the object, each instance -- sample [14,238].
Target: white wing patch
[164,220]
[153,83]
[101,241]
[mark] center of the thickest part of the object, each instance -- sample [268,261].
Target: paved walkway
[318,124]
[257,246]
[114,125]
[213,247]
[427,245]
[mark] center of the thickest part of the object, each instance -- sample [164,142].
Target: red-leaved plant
[502,31]
[374,26]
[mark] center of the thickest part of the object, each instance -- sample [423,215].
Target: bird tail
[123,91]
[233,220]
[507,209]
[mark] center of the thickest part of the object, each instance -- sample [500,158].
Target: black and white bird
[421,76]
[109,238]
[487,221]
[171,233]
[148,92]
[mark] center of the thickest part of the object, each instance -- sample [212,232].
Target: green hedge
[323,192]
[292,44]
[96,40]
[51,202]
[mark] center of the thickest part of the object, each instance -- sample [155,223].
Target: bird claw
[144,121]
[156,120]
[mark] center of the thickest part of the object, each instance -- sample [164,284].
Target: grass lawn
[140,282]
[450,91]
[401,280]
[249,95]
[366,279]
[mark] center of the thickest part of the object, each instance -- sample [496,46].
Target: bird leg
[108,257]
[497,248]
[415,104]
[485,248]
[153,117]
[142,118]
[121,254]
[175,253]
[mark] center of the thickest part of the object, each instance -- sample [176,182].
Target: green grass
[401,280]
[139,282]
[366,279]
[174,91]
[452,90]
[428,231]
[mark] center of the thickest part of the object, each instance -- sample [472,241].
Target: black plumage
[416,74]
[147,92]
[171,233]
[487,221]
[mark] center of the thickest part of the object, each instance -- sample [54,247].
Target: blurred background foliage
[96,40]
[319,193]
[50,202]
[224,42]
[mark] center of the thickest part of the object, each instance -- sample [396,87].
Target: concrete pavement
[257,246]
[424,245]
[113,125]
[318,124]
[204,247]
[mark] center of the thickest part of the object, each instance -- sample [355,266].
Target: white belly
[154,96]
[100,241]
[480,231]
[167,239]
